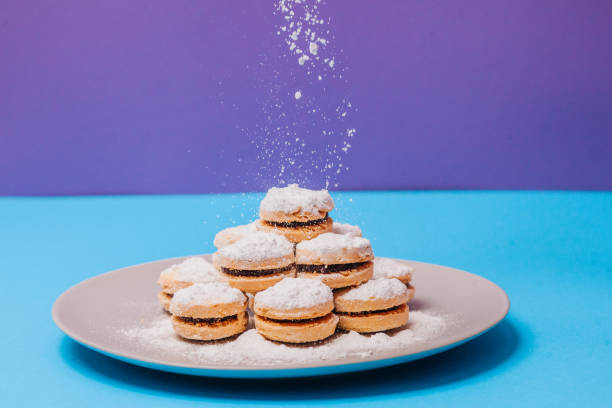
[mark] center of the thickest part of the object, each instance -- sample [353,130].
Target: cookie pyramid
[303,273]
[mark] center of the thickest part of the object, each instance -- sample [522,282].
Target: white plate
[95,312]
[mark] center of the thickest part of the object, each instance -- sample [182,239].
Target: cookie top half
[295,204]
[208,300]
[259,250]
[191,270]
[295,299]
[331,248]
[230,235]
[346,229]
[375,294]
[389,268]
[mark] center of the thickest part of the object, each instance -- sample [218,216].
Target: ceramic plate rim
[210,369]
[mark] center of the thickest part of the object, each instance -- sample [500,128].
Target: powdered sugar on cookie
[335,243]
[192,270]
[295,200]
[233,234]
[295,293]
[258,246]
[205,294]
[346,229]
[388,268]
[376,289]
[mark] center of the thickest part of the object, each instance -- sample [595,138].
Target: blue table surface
[551,252]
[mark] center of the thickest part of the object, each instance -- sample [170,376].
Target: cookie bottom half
[297,331]
[297,234]
[374,321]
[209,329]
[344,279]
[254,284]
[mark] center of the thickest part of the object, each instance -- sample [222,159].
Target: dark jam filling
[289,321]
[193,320]
[367,312]
[256,272]
[329,268]
[294,224]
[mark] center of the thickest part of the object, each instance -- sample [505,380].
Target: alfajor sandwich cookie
[209,311]
[256,262]
[337,260]
[296,213]
[374,306]
[184,274]
[295,311]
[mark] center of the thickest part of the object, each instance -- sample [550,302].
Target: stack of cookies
[304,274]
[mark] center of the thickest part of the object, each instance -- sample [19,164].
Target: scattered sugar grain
[251,349]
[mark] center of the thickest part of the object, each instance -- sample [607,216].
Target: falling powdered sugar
[258,246]
[377,289]
[305,129]
[294,293]
[251,349]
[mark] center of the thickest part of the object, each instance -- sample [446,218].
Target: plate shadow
[471,359]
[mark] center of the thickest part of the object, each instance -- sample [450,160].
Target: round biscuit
[200,311]
[279,216]
[297,234]
[337,280]
[354,305]
[294,314]
[212,331]
[375,322]
[293,203]
[219,261]
[231,235]
[170,285]
[254,284]
[296,331]
[335,252]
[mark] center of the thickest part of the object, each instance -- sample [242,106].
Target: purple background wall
[151,96]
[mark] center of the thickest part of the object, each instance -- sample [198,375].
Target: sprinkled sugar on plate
[126,322]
